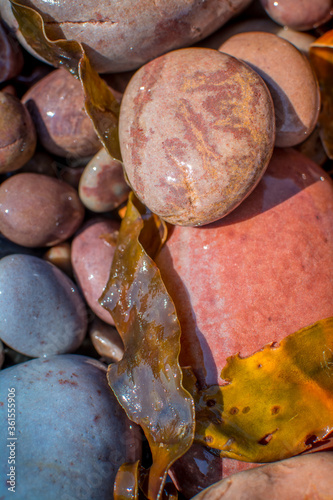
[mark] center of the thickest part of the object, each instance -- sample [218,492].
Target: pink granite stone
[196,132]
[92,253]
[293,84]
[254,277]
[259,274]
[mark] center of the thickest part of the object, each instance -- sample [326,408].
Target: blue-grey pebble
[41,309]
[70,433]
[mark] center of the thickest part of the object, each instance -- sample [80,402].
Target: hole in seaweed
[210,403]
[208,439]
[275,410]
[233,410]
[275,345]
[310,440]
[246,409]
[265,440]
[259,366]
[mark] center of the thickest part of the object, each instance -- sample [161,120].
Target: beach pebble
[102,184]
[120,36]
[301,16]
[56,104]
[41,310]
[92,253]
[2,354]
[37,210]
[106,340]
[199,136]
[60,256]
[72,435]
[293,86]
[17,133]
[11,57]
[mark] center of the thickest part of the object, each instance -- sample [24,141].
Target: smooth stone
[72,435]
[199,136]
[60,256]
[102,184]
[41,163]
[17,133]
[301,16]
[92,253]
[262,273]
[41,310]
[106,340]
[298,478]
[289,77]
[313,148]
[253,278]
[56,104]
[11,56]
[120,36]
[38,210]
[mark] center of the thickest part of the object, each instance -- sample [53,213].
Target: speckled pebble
[196,132]
[102,185]
[72,435]
[92,253]
[41,310]
[38,210]
[289,77]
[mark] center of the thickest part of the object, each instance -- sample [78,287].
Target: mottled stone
[41,310]
[72,435]
[17,133]
[289,77]
[11,57]
[301,16]
[102,184]
[298,478]
[119,36]
[92,253]
[106,340]
[56,104]
[196,133]
[37,210]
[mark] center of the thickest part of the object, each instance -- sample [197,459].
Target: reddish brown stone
[38,210]
[196,133]
[301,16]
[292,84]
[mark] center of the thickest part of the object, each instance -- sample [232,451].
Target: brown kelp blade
[148,380]
[321,57]
[278,402]
[100,103]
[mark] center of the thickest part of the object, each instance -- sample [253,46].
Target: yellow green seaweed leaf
[277,403]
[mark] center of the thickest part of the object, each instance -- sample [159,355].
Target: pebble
[102,184]
[56,104]
[11,56]
[17,133]
[41,310]
[106,340]
[60,256]
[301,16]
[92,253]
[2,354]
[199,136]
[119,37]
[38,210]
[293,86]
[72,435]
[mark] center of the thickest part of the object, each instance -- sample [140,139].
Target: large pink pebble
[261,273]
